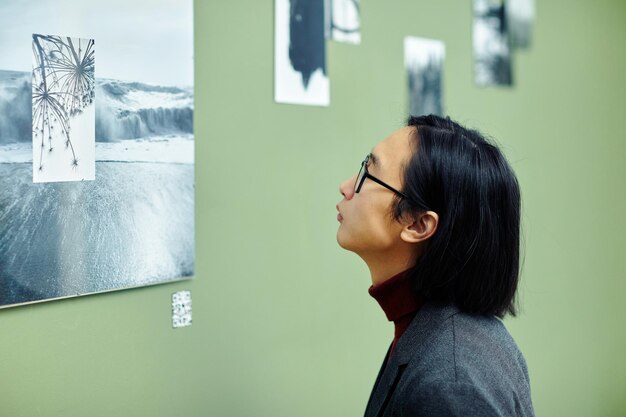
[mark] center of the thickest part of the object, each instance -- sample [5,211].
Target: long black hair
[472,260]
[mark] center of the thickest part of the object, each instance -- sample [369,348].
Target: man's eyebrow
[374,159]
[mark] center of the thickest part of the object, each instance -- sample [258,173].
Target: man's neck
[384,267]
[396,259]
[382,274]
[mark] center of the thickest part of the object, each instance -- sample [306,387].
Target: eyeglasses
[364,173]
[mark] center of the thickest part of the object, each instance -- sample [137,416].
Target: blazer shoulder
[483,346]
[470,354]
[467,343]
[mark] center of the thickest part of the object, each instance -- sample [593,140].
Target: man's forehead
[394,149]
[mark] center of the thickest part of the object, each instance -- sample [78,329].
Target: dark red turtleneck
[399,302]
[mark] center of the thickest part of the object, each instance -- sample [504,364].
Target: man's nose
[346,188]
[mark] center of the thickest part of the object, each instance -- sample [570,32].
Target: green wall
[283,324]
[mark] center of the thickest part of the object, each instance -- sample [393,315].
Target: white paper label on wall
[181,309]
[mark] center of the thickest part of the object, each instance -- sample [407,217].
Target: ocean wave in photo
[130,110]
[133,226]
[16,117]
[124,109]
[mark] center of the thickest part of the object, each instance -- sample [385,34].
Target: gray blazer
[449,363]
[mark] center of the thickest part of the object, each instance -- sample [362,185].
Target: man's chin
[341,240]
[344,242]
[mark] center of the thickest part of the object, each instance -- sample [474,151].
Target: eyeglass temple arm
[387,186]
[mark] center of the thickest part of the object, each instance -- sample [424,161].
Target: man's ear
[424,225]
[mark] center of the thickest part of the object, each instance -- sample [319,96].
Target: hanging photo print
[64,125]
[344,21]
[96,161]
[300,53]
[492,52]
[423,60]
[520,15]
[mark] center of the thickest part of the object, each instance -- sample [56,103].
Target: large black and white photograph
[300,53]
[492,51]
[133,223]
[520,16]
[64,125]
[423,61]
[344,21]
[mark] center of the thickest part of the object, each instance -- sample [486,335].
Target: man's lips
[339,216]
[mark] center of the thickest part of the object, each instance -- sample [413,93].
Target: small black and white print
[520,15]
[300,53]
[423,60]
[63,123]
[492,51]
[344,21]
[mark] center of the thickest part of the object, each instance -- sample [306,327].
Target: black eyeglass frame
[364,173]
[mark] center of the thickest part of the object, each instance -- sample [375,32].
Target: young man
[435,214]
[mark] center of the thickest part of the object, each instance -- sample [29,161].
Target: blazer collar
[427,319]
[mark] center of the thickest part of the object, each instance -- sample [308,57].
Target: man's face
[366,226]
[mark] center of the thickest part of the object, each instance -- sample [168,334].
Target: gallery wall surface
[282,322]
